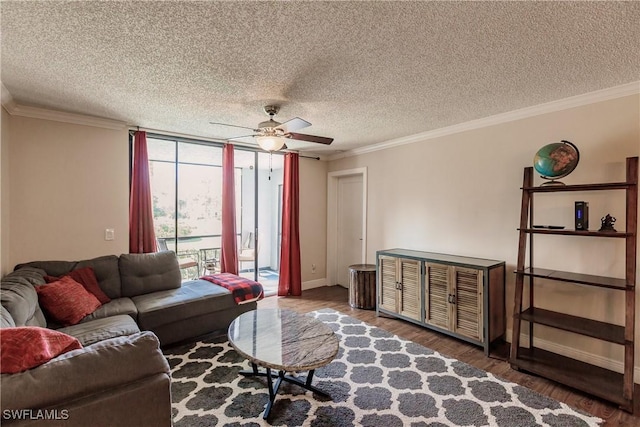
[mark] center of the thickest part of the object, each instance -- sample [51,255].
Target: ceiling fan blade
[310,138]
[234,126]
[293,124]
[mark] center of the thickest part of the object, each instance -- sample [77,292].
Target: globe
[556,160]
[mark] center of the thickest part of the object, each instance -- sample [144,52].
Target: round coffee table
[285,341]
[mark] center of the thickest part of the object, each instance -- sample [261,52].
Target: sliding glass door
[186,187]
[259,249]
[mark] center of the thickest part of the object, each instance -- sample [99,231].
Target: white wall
[460,194]
[67,183]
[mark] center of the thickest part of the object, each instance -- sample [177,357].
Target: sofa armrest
[94,369]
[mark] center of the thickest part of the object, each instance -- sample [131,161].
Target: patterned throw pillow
[66,301]
[26,347]
[87,278]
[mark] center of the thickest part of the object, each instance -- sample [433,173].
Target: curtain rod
[193,138]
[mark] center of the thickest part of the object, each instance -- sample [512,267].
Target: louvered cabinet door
[388,294]
[410,282]
[437,285]
[467,307]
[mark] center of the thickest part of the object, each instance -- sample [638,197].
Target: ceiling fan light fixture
[270,143]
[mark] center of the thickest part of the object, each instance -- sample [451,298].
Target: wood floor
[336,297]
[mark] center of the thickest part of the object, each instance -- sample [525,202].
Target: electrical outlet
[313,269]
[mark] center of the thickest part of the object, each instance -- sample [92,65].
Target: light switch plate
[109,234]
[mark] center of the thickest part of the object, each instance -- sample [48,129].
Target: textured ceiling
[360,72]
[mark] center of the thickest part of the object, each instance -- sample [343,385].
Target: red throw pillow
[26,347]
[66,301]
[87,278]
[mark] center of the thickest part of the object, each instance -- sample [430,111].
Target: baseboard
[594,359]
[317,283]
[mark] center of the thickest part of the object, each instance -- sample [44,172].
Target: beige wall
[67,184]
[313,221]
[5,123]
[460,194]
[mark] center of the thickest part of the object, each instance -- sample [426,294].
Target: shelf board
[567,232]
[583,376]
[579,325]
[582,279]
[580,187]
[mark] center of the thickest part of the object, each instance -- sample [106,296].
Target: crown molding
[7,98]
[59,116]
[632,88]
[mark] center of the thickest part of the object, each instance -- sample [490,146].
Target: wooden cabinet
[612,386]
[453,299]
[459,296]
[400,286]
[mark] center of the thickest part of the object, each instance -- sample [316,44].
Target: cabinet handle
[452,298]
[399,286]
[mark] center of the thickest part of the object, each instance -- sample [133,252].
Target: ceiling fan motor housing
[271,110]
[269,126]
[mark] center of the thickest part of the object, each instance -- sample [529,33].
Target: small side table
[362,286]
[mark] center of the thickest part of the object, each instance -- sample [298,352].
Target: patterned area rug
[377,379]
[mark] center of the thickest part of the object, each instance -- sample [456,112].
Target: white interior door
[349,226]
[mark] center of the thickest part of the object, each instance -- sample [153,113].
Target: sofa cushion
[66,301]
[145,273]
[104,267]
[33,276]
[26,347]
[20,299]
[113,308]
[193,298]
[87,278]
[53,268]
[6,321]
[109,364]
[102,329]
[107,272]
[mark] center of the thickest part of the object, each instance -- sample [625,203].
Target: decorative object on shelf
[556,160]
[607,223]
[582,215]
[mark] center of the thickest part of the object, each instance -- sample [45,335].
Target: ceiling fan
[271,135]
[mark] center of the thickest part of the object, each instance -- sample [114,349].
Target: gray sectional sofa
[120,376]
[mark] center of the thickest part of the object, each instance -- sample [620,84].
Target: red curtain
[142,237]
[290,272]
[229,255]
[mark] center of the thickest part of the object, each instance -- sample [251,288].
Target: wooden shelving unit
[612,386]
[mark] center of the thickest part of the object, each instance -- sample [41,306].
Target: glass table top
[283,340]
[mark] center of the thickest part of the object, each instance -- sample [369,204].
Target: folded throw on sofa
[243,290]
